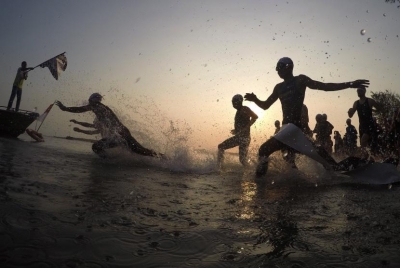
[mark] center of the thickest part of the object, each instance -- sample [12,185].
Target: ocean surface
[63,206]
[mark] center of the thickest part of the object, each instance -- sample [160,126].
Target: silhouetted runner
[244,119]
[291,93]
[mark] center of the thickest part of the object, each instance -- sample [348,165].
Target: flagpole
[47,60]
[49,111]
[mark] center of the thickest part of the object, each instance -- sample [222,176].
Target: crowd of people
[374,139]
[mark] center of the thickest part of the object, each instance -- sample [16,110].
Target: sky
[171,66]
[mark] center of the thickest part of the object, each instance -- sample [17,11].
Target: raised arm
[263,104]
[308,82]
[81,109]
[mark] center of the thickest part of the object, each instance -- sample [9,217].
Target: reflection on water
[75,210]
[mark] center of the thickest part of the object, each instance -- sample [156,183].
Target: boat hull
[13,124]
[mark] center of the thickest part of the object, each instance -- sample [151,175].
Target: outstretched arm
[333,86]
[88,132]
[262,104]
[84,124]
[81,109]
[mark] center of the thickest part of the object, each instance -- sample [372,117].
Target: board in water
[370,173]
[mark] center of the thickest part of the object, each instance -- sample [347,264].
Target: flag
[56,65]
[42,117]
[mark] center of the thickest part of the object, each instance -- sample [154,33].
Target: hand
[250,97]
[59,104]
[359,83]
[73,121]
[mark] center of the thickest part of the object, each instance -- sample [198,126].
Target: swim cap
[286,61]
[237,98]
[95,97]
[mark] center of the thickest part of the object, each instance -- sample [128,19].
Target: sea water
[63,206]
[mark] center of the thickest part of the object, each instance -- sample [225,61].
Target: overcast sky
[156,61]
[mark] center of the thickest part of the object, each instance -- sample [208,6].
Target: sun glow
[257,110]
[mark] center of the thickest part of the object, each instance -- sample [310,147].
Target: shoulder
[245,109]
[301,78]
[278,86]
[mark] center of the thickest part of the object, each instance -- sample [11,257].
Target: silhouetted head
[324,117]
[95,98]
[277,123]
[318,118]
[348,121]
[237,101]
[23,64]
[284,67]
[361,91]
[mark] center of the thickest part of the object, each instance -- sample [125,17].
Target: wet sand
[72,209]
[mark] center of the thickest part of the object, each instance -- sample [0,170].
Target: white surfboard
[375,173]
[293,137]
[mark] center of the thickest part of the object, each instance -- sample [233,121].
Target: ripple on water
[23,255]
[65,247]
[82,263]
[6,241]
[23,220]
[119,249]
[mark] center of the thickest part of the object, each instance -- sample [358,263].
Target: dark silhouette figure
[22,75]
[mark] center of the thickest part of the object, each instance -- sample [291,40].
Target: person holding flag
[22,75]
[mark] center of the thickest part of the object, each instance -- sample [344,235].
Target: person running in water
[110,121]
[291,93]
[366,128]
[244,119]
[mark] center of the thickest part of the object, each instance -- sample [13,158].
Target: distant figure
[350,138]
[323,130]
[305,120]
[22,75]
[327,132]
[244,119]
[367,128]
[35,135]
[291,93]
[277,126]
[338,142]
[110,121]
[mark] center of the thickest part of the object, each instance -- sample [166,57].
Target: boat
[13,124]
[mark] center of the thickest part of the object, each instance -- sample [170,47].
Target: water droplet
[217,100]
[316,185]
[389,186]
[384,14]
[272,182]
[369,40]
[362,32]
